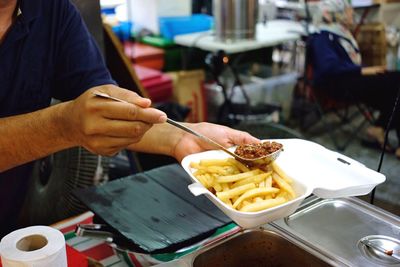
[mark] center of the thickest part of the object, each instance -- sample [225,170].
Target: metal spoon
[255,161]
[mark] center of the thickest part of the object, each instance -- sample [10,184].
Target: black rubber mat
[154,212]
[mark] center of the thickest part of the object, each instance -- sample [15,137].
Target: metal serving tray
[335,227]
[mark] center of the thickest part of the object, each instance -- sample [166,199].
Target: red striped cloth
[75,258]
[91,248]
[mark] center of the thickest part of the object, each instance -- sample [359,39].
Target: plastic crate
[172,52]
[123,30]
[172,26]
[160,93]
[145,55]
[157,84]
[158,41]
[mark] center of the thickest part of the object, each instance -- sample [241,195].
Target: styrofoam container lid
[313,168]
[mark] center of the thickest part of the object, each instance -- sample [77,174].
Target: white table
[274,32]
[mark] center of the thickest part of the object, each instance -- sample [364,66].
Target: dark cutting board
[153,211]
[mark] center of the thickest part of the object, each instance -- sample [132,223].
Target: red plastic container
[145,55]
[157,84]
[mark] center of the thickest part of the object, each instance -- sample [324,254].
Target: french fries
[242,188]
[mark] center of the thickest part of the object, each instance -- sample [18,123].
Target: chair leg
[329,127]
[345,114]
[367,113]
[352,136]
[344,119]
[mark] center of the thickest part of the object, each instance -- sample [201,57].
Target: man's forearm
[31,136]
[160,139]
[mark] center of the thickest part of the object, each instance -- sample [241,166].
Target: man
[46,52]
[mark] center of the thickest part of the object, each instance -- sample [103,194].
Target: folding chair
[316,100]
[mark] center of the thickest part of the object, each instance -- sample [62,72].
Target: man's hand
[189,144]
[373,70]
[104,126]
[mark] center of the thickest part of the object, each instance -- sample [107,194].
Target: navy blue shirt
[47,53]
[329,59]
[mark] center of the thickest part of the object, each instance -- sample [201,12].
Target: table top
[294,5]
[299,5]
[358,4]
[272,33]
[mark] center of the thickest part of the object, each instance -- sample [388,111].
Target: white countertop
[274,32]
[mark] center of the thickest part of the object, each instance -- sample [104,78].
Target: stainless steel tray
[335,227]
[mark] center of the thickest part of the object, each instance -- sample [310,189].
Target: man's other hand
[373,70]
[189,144]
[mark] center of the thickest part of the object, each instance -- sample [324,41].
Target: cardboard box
[371,39]
[189,91]
[388,1]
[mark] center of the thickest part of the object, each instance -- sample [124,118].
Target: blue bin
[108,10]
[123,30]
[172,26]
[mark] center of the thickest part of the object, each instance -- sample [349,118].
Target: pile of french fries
[243,188]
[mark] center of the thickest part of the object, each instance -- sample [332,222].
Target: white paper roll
[35,246]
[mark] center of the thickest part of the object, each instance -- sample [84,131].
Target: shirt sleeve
[327,59]
[79,63]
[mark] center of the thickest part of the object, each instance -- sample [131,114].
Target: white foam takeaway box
[314,170]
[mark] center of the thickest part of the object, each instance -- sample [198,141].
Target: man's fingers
[119,128]
[240,137]
[122,111]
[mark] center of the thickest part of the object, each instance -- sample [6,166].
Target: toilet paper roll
[38,246]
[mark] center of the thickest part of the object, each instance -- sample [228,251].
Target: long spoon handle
[187,129]
[176,124]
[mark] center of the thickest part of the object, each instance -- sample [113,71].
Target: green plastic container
[157,41]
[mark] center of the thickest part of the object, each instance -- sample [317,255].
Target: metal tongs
[254,161]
